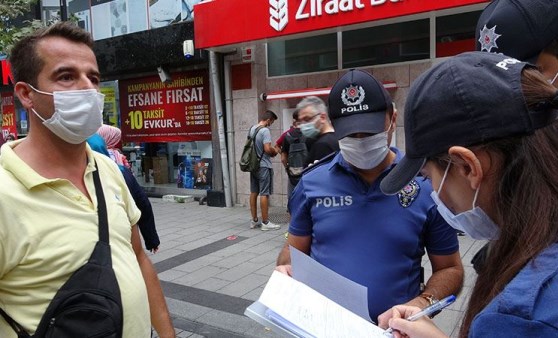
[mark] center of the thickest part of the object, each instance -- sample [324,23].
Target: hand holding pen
[428,311]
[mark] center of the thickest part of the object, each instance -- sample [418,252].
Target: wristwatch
[431,300]
[429,297]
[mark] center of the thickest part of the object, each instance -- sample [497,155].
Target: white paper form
[329,283]
[313,312]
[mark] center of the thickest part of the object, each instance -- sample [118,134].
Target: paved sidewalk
[212,266]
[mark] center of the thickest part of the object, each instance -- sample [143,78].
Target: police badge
[352,95]
[408,194]
[488,39]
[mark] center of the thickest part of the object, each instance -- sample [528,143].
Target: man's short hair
[27,64]
[317,104]
[268,114]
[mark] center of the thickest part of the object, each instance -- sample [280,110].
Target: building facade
[282,50]
[156,94]
[270,54]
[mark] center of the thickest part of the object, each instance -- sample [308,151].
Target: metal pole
[230,128]
[63,10]
[219,110]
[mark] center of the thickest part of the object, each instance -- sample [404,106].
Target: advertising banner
[110,111]
[6,72]
[8,116]
[264,19]
[154,111]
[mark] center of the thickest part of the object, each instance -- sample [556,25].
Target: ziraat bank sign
[252,20]
[278,9]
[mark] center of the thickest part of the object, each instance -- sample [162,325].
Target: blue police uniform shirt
[527,305]
[373,239]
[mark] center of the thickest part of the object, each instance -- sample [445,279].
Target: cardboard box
[160,170]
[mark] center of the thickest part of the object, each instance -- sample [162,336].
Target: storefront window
[81,11]
[166,128]
[108,18]
[187,165]
[399,42]
[456,33]
[318,53]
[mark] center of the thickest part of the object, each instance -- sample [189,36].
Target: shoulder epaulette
[322,161]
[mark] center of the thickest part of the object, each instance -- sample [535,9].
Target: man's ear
[22,90]
[393,122]
[468,165]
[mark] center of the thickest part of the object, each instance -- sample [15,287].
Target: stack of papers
[294,309]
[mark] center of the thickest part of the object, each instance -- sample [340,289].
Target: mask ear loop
[444,178]
[389,128]
[39,116]
[476,195]
[40,91]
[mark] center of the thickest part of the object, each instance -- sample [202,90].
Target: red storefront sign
[6,71]
[153,111]
[8,115]
[251,20]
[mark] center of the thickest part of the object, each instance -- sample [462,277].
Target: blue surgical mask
[475,222]
[309,129]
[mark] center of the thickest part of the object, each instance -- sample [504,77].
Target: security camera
[164,75]
[188,48]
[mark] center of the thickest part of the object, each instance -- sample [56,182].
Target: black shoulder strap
[296,136]
[101,207]
[103,237]
[255,133]
[254,143]
[21,333]
[289,136]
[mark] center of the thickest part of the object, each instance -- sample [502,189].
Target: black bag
[89,303]
[298,152]
[250,160]
[479,259]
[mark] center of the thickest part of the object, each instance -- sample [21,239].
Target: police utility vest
[89,303]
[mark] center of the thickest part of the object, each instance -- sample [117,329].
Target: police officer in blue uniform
[340,217]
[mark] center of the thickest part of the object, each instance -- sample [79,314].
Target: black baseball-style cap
[469,99]
[358,103]
[517,28]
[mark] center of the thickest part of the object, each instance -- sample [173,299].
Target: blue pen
[427,311]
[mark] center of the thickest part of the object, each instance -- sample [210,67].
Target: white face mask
[474,222]
[366,152]
[78,114]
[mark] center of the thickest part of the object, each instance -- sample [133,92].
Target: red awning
[288,94]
